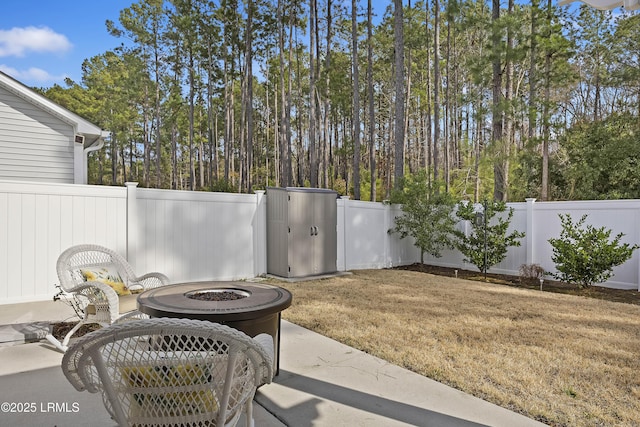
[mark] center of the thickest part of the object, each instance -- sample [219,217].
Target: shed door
[312,239]
[301,234]
[326,240]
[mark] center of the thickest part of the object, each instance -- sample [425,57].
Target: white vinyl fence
[193,236]
[540,222]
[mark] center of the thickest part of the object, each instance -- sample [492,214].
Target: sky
[43,41]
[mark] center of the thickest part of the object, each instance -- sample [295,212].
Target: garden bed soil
[599,292]
[60,330]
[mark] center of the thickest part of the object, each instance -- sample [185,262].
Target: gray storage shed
[301,231]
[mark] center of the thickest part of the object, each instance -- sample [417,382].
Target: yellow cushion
[107,276]
[126,303]
[144,379]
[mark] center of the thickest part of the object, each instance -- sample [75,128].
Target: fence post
[388,259]
[530,232]
[345,230]
[260,237]
[132,222]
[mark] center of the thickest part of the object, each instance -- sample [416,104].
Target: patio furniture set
[182,354]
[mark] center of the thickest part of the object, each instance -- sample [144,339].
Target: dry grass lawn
[561,359]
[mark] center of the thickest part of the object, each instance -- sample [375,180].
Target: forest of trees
[493,100]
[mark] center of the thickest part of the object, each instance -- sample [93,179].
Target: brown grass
[561,359]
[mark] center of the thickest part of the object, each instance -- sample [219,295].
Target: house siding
[34,145]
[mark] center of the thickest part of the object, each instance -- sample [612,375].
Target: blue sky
[44,41]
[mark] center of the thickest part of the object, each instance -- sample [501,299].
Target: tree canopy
[495,100]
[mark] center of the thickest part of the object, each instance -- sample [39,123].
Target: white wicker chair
[171,372]
[99,302]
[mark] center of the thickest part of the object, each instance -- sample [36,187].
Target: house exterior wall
[34,145]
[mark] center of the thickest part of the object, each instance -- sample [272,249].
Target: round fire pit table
[252,308]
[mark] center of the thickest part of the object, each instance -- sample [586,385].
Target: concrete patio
[321,383]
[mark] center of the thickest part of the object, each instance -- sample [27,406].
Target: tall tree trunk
[284,141]
[191,118]
[277,165]
[546,132]
[301,157]
[533,112]
[447,109]
[478,150]
[436,89]
[114,159]
[146,140]
[313,159]
[399,95]
[508,114]
[228,99]
[249,95]
[372,142]
[158,121]
[326,143]
[201,155]
[287,105]
[497,108]
[212,118]
[228,122]
[356,100]
[428,141]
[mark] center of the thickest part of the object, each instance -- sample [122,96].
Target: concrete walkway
[321,383]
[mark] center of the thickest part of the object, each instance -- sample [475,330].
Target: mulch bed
[609,294]
[60,329]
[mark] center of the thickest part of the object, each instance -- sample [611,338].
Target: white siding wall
[34,145]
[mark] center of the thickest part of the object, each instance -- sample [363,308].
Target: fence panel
[620,216]
[39,221]
[191,236]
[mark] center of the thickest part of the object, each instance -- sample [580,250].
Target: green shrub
[584,256]
[497,239]
[427,215]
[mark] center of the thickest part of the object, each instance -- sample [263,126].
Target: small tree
[585,256]
[495,233]
[427,215]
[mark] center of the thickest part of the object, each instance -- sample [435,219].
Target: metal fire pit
[254,308]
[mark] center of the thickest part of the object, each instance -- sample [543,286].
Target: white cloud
[32,75]
[19,41]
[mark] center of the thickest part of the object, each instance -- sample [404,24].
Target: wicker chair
[171,372]
[105,296]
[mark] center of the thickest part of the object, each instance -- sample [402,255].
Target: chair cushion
[126,303]
[171,391]
[107,275]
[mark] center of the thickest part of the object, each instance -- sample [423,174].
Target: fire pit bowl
[217,294]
